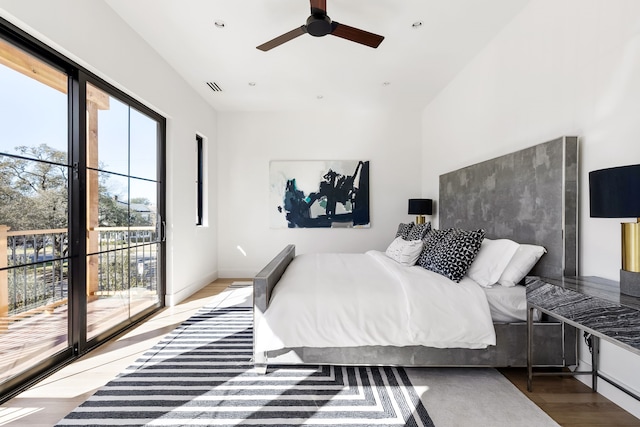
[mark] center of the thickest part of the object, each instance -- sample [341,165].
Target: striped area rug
[201,375]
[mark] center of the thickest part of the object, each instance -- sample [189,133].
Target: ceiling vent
[214,86]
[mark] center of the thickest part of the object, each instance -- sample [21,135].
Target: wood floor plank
[570,402]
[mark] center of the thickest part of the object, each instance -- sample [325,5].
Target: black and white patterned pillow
[419,231]
[453,255]
[404,230]
[430,240]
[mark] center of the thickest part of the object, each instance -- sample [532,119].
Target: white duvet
[347,300]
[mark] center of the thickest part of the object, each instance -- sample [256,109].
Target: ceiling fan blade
[318,7]
[282,39]
[356,35]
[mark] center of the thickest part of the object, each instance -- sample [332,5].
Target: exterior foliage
[34,188]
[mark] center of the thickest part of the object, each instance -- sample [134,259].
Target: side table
[592,304]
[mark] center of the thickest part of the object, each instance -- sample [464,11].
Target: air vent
[214,86]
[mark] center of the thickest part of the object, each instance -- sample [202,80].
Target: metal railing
[34,266]
[126,259]
[37,273]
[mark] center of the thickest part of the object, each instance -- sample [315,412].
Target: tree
[34,193]
[111,212]
[33,196]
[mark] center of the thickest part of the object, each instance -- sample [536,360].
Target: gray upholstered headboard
[530,196]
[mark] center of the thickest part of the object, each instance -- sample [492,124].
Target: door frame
[78,77]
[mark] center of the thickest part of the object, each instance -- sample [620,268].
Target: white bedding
[346,300]
[508,304]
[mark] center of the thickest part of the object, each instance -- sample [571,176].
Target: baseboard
[171,300]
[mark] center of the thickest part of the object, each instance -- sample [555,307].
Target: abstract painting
[316,194]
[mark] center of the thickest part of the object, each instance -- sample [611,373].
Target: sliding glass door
[81,207]
[34,195]
[123,224]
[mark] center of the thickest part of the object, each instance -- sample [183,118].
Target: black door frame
[78,77]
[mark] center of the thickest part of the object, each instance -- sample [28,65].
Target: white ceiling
[317,72]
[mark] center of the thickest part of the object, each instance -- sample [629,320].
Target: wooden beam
[28,65]
[98,97]
[93,202]
[22,62]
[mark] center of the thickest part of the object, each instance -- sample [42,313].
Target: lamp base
[420,219]
[631,246]
[629,283]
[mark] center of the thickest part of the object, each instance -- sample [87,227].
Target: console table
[592,304]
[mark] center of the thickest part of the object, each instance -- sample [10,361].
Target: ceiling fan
[319,25]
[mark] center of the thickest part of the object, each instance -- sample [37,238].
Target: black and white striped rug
[201,375]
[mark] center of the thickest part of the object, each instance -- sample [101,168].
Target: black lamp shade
[420,206]
[614,192]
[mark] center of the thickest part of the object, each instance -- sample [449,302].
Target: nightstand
[592,304]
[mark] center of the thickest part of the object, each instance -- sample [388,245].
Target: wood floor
[42,332]
[570,402]
[565,399]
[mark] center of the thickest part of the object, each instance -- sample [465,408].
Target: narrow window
[200,180]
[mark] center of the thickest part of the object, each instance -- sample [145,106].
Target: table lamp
[615,193]
[420,208]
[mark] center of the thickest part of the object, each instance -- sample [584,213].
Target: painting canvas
[316,194]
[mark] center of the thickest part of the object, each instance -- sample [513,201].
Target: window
[200,179]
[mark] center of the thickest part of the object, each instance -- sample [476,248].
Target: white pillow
[522,262]
[405,252]
[491,261]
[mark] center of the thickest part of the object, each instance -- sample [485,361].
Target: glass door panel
[145,236]
[107,258]
[113,127]
[122,200]
[34,194]
[144,146]
[144,244]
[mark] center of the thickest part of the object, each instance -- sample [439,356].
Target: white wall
[569,67]
[90,33]
[248,141]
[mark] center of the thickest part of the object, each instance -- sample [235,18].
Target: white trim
[171,300]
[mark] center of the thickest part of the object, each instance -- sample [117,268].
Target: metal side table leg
[595,359]
[529,348]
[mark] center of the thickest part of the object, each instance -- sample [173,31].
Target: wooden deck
[28,338]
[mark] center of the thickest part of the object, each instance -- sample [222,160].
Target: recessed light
[416,25]
[386,83]
[252,84]
[219,24]
[320,96]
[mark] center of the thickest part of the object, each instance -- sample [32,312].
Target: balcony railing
[34,266]
[135,267]
[36,274]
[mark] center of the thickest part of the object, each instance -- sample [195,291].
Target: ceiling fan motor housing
[318,25]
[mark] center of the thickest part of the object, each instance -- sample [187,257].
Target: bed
[529,197]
